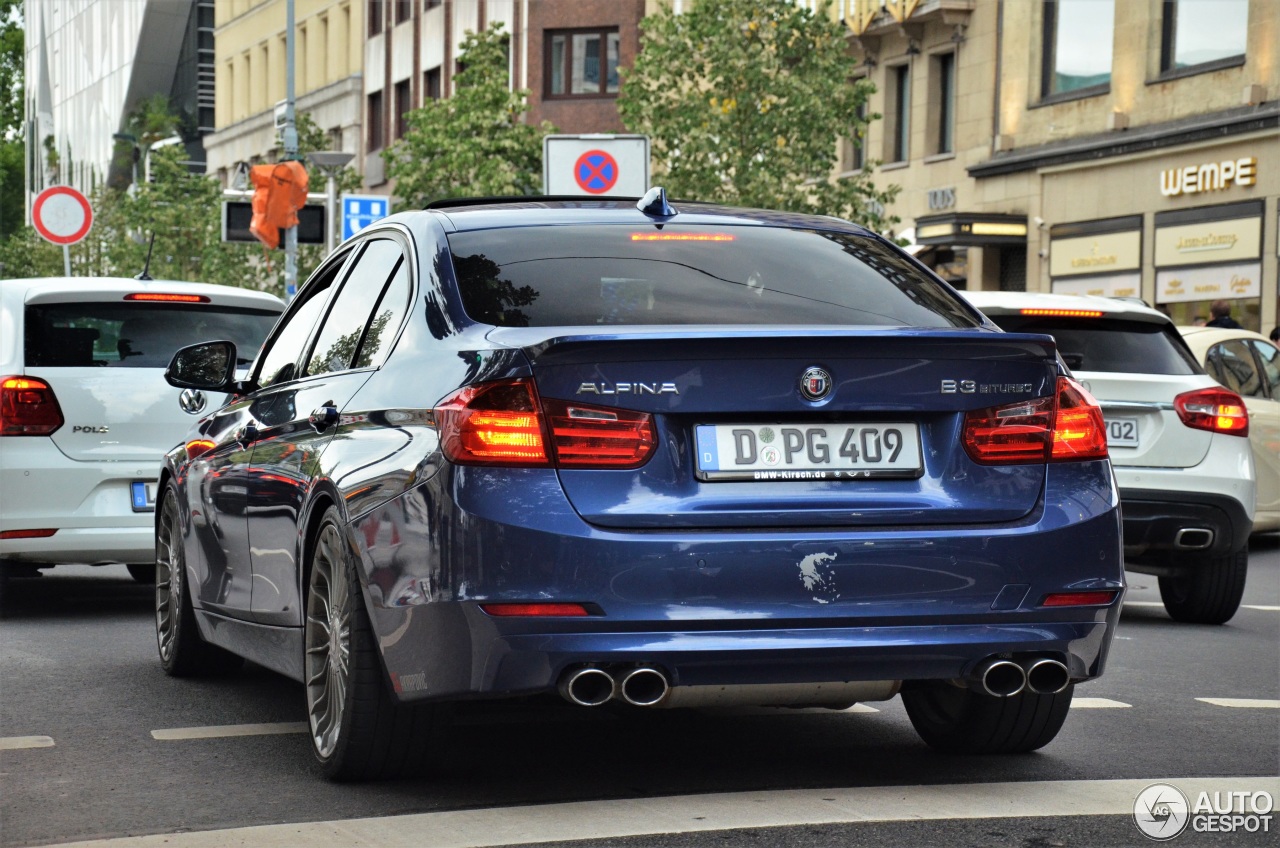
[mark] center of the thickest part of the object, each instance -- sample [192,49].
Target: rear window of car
[612,274]
[134,335]
[1094,344]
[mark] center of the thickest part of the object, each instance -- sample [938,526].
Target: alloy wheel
[328,642]
[168,578]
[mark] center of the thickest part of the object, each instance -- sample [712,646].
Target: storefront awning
[971,229]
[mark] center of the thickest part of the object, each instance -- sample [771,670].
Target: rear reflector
[1064,313]
[1077,599]
[162,297]
[26,534]
[28,407]
[1215,410]
[511,610]
[1065,427]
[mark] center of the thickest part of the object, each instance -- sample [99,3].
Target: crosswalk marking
[1254,703]
[1098,704]
[18,743]
[225,730]
[700,814]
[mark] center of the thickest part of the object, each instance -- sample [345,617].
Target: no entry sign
[62,215]
[596,165]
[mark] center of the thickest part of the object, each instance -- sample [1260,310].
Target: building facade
[1120,147]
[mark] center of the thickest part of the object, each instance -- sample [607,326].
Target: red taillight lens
[28,407]
[1077,599]
[160,297]
[1068,426]
[493,424]
[512,610]
[597,437]
[1216,410]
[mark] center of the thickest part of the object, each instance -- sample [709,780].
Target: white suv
[1186,477]
[86,415]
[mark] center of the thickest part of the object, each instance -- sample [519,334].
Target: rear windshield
[611,274]
[1091,344]
[135,335]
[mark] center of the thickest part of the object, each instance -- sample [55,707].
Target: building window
[431,85]
[898,114]
[374,13]
[403,106]
[1203,32]
[853,154]
[944,98]
[428,5]
[1078,36]
[403,10]
[582,63]
[376,135]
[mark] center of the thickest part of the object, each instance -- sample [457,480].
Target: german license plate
[807,451]
[144,496]
[1122,432]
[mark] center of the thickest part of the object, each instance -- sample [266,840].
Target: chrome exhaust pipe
[1001,678]
[644,687]
[1046,676]
[587,687]
[1193,538]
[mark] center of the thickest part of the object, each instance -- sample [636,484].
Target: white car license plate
[144,496]
[807,451]
[1122,432]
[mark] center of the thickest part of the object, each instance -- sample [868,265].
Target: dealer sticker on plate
[808,451]
[144,496]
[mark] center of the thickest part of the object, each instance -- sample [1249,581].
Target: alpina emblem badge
[815,384]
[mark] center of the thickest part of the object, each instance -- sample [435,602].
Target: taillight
[1215,410]
[505,423]
[1067,426]
[1077,599]
[28,407]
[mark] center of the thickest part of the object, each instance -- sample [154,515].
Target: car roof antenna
[147,266]
[654,204]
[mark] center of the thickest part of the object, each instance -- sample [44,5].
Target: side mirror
[210,366]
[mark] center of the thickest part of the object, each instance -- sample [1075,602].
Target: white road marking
[18,743]
[1144,603]
[220,731]
[1098,704]
[1262,607]
[1254,703]
[699,813]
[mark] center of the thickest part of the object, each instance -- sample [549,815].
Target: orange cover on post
[280,190]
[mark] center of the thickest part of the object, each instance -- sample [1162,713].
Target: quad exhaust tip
[1047,677]
[588,687]
[644,687]
[1002,678]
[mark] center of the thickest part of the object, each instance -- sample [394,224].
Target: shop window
[1076,49]
[375,121]
[943,94]
[1202,34]
[898,114]
[582,63]
[403,106]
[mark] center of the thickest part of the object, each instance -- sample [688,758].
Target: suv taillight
[1215,410]
[28,407]
[1067,426]
[505,423]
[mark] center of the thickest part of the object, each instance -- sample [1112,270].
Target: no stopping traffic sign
[62,215]
[595,171]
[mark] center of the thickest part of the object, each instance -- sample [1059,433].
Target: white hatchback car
[86,415]
[1186,477]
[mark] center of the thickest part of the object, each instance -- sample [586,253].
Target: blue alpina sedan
[645,455]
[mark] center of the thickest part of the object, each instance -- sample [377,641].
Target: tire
[358,730]
[965,721]
[142,572]
[183,652]
[1210,591]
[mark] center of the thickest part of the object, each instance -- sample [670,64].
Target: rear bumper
[88,503]
[1159,522]
[725,608]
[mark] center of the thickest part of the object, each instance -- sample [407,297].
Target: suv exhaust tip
[1193,538]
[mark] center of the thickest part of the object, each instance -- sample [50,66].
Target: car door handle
[247,435]
[324,417]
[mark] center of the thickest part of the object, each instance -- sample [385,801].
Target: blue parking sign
[361,210]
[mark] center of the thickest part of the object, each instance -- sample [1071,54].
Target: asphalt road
[78,667]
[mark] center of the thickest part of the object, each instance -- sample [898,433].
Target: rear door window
[1094,344]
[366,286]
[132,334]
[693,274]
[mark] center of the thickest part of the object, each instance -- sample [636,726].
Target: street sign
[62,215]
[596,165]
[361,210]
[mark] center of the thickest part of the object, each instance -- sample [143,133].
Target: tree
[12,147]
[745,102]
[474,143]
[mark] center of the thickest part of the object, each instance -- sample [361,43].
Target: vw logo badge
[815,384]
[192,401]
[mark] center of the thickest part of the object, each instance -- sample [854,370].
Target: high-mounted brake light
[682,237]
[1215,410]
[1064,313]
[505,423]
[1067,426]
[161,297]
[28,407]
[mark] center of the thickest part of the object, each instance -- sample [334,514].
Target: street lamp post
[330,163]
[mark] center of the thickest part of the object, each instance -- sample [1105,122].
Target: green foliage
[474,143]
[11,69]
[311,138]
[745,102]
